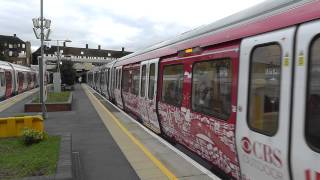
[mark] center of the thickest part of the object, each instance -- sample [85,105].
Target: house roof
[10,39]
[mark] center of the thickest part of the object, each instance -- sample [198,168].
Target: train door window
[107,77]
[125,81]
[172,84]
[120,78]
[152,80]
[143,80]
[2,79]
[211,88]
[116,79]
[313,97]
[135,80]
[264,89]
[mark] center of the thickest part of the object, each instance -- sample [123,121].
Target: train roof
[7,65]
[264,17]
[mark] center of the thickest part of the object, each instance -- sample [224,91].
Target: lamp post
[44,26]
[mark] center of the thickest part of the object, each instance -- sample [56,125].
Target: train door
[264,99]
[152,77]
[142,105]
[147,95]
[2,84]
[118,95]
[305,148]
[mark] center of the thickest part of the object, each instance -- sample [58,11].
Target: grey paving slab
[100,156]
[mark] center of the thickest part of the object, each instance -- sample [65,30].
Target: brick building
[15,50]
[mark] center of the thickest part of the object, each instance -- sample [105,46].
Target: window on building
[15,46]
[143,81]
[152,80]
[2,80]
[135,81]
[125,80]
[109,54]
[10,53]
[19,45]
[10,46]
[211,88]
[23,46]
[81,53]
[313,97]
[172,84]
[264,89]
[5,44]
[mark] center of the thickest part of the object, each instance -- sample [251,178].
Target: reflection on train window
[143,80]
[172,84]
[264,89]
[313,97]
[152,80]
[125,81]
[135,79]
[211,88]
[2,79]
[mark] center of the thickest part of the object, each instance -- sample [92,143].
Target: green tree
[68,73]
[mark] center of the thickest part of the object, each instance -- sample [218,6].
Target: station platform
[110,144]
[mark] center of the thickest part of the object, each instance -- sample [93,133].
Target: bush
[31,136]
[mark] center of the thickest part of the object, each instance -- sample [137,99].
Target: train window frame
[311,145]
[249,89]
[231,89]
[162,85]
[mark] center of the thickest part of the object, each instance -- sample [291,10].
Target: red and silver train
[15,79]
[243,93]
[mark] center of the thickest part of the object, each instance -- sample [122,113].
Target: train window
[135,80]
[313,97]
[125,81]
[143,80]
[2,79]
[152,80]
[264,89]
[211,88]
[172,84]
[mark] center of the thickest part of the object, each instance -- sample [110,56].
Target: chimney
[64,44]
[87,46]
[122,49]
[99,47]
[14,35]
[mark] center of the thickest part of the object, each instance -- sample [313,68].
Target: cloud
[114,23]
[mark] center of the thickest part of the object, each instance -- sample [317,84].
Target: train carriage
[15,79]
[243,93]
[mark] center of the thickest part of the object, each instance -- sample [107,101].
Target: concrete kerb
[64,165]
[51,106]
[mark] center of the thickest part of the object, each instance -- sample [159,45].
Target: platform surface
[111,145]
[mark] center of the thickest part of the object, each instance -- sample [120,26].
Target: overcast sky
[133,24]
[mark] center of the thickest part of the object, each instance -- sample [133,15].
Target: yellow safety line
[165,170]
